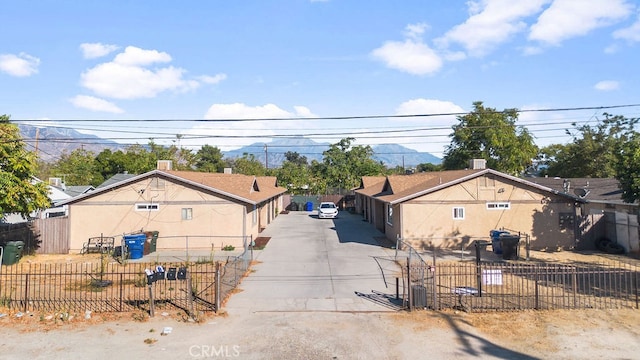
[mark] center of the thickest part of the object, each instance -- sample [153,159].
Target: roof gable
[400,188]
[243,188]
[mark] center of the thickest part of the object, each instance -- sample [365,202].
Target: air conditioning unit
[477,164]
[165,165]
[55,181]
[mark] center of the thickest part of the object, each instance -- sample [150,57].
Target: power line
[356,117]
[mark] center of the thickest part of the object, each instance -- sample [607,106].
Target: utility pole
[266,157]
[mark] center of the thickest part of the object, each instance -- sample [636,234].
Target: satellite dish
[581,192]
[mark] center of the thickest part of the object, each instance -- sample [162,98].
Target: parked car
[327,210]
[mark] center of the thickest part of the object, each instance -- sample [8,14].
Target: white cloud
[129,76]
[632,33]
[435,136]
[96,50]
[566,19]
[229,135]
[492,22]
[415,31]
[134,56]
[212,79]
[20,65]
[95,104]
[410,56]
[607,85]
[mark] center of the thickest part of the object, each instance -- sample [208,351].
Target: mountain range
[51,142]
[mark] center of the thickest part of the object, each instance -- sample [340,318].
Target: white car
[327,210]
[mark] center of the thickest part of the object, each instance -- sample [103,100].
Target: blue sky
[195,60]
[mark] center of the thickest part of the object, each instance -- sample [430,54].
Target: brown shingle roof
[371,185]
[243,186]
[403,186]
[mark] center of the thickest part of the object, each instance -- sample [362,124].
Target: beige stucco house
[451,209]
[188,209]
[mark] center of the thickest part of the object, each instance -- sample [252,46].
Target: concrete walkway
[313,264]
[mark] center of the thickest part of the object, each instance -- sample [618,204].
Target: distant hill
[53,141]
[391,155]
[397,155]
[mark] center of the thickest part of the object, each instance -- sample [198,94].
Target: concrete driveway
[313,264]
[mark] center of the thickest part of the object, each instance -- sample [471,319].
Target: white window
[187,213]
[389,214]
[147,207]
[458,213]
[498,206]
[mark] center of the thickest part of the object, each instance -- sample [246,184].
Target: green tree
[295,158]
[78,167]
[110,163]
[627,167]
[19,193]
[592,153]
[492,135]
[427,167]
[295,173]
[248,165]
[343,164]
[209,159]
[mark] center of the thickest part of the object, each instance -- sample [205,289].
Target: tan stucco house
[451,209]
[193,209]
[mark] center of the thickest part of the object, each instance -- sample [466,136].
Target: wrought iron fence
[98,287]
[503,286]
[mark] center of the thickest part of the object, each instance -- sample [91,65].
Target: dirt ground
[558,334]
[562,334]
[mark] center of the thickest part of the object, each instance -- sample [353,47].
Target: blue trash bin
[495,240]
[309,206]
[135,245]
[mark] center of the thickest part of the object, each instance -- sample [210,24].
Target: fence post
[190,291]
[536,293]
[218,287]
[635,283]
[121,290]
[26,292]
[409,291]
[152,305]
[435,279]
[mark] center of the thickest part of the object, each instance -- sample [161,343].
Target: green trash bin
[12,252]
[154,241]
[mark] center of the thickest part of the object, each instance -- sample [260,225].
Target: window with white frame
[458,213]
[389,214]
[187,213]
[498,206]
[147,207]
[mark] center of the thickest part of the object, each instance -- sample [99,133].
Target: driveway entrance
[313,264]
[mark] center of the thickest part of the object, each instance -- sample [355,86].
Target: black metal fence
[504,286]
[100,285]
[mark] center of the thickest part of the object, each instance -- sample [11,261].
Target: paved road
[313,264]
